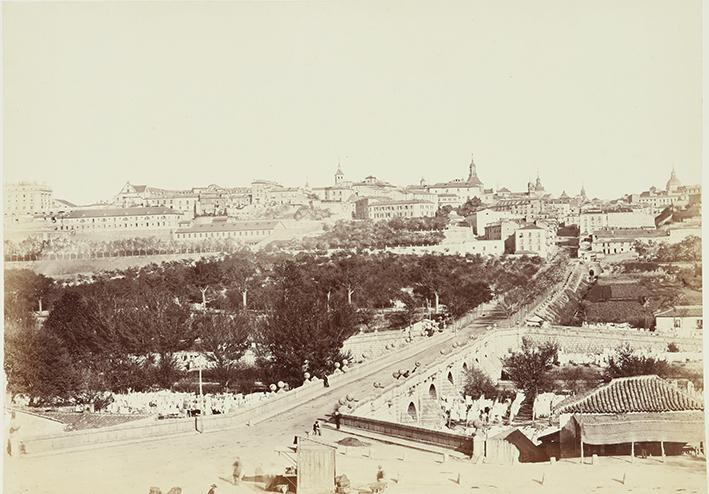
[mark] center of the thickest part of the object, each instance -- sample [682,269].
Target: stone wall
[411,401]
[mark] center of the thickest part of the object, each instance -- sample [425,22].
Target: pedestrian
[338,417]
[325,382]
[13,442]
[212,489]
[316,428]
[237,470]
[380,474]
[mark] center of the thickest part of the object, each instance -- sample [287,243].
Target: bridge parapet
[410,401]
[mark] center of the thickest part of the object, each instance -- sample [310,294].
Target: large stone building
[341,191]
[535,240]
[240,231]
[109,221]
[463,190]
[592,220]
[384,209]
[27,199]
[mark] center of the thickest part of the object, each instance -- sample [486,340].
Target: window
[678,322]
[700,324]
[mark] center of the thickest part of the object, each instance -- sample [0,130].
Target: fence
[442,439]
[100,254]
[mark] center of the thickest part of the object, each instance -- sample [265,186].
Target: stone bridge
[417,400]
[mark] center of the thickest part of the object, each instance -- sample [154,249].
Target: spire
[473,174]
[473,169]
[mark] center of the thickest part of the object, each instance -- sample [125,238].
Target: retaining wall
[442,439]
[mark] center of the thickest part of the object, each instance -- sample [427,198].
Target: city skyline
[401,92]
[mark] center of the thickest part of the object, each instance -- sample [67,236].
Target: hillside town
[353,247]
[479,219]
[486,327]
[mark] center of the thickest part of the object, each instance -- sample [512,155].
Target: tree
[625,362]
[75,320]
[24,290]
[37,364]
[300,326]
[225,338]
[204,275]
[528,368]
[477,384]
[470,206]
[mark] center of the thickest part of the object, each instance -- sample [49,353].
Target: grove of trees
[123,329]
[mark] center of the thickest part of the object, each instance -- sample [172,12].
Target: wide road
[192,460]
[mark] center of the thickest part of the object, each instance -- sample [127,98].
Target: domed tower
[538,187]
[673,183]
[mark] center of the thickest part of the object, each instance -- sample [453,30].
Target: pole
[662,449]
[201,394]
[582,450]
[632,451]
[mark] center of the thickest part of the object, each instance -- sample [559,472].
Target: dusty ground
[195,462]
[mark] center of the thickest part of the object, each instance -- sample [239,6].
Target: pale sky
[176,95]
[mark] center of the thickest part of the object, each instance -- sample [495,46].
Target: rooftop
[682,311]
[619,233]
[631,394]
[393,202]
[107,212]
[230,227]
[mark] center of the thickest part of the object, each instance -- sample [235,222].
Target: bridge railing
[448,440]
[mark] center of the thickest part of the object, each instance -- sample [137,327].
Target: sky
[604,94]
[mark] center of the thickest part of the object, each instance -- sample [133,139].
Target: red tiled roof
[631,394]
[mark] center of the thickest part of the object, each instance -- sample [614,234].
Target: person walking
[338,417]
[316,428]
[380,474]
[13,441]
[212,489]
[237,471]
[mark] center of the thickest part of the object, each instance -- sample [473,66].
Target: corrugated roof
[106,212]
[631,394]
[682,311]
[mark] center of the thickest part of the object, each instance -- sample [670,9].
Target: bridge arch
[433,392]
[450,378]
[465,366]
[411,412]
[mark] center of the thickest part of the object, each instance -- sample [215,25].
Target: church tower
[673,183]
[473,174]
[339,176]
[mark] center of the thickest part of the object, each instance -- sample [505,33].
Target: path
[183,460]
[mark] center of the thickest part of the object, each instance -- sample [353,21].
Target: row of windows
[124,218]
[156,224]
[250,233]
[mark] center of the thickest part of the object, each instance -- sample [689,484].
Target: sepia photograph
[352,247]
